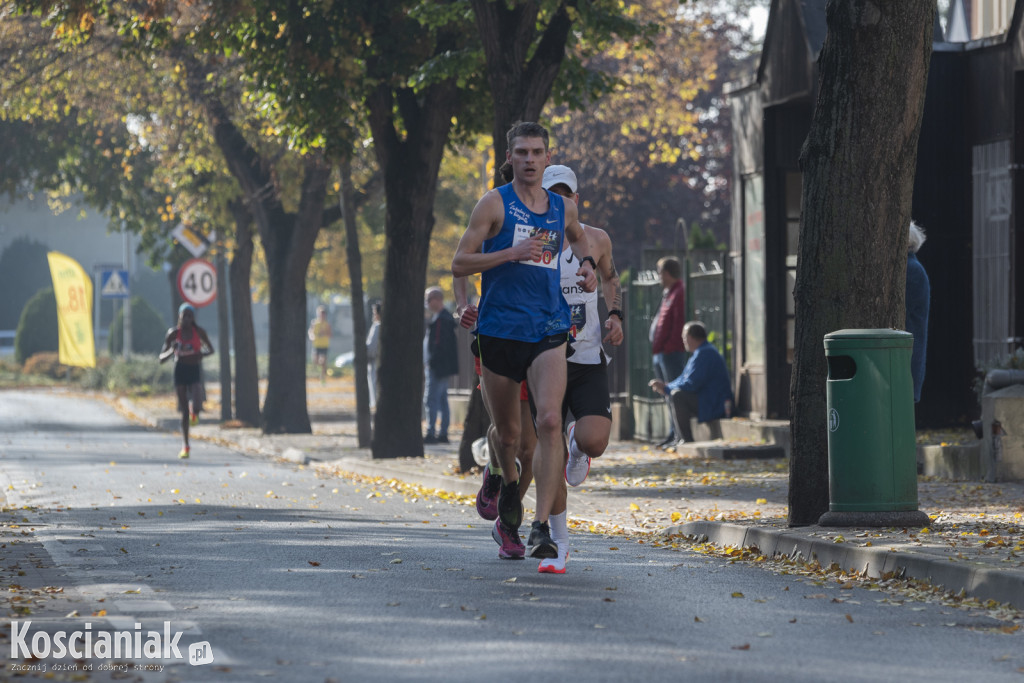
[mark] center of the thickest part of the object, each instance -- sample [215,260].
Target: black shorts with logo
[512,358]
[586,391]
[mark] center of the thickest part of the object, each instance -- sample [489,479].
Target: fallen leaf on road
[745,646]
[849,618]
[315,564]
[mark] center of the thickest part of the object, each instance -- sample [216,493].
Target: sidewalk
[975,543]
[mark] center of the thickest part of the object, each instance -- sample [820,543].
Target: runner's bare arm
[601,243]
[207,349]
[464,311]
[484,223]
[581,248]
[168,348]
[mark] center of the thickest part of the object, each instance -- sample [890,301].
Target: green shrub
[148,329]
[24,270]
[137,375]
[47,364]
[140,375]
[37,329]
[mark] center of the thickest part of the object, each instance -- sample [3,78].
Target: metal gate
[993,323]
[708,298]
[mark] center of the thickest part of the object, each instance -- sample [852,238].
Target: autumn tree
[118,132]
[657,147]
[858,164]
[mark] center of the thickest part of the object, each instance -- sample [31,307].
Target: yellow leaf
[676,516]
[737,594]
[634,506]
[761,501]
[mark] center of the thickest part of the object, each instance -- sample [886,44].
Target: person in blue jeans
[442,361]
[704,389]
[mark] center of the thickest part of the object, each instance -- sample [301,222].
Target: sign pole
[97,302]
[127,342]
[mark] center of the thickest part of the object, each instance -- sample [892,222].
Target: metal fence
[708,299]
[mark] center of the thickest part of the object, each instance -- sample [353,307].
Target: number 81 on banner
[197,282]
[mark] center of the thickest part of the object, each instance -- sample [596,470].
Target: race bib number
[577,321]
[551,243]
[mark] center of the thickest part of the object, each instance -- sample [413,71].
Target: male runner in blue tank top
[514,239]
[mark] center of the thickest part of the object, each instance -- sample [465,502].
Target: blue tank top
[522,300]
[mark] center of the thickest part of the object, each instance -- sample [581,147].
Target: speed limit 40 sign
[197,282]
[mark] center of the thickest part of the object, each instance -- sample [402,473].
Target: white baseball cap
[559,175]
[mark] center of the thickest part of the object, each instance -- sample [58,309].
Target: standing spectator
[442,362]
[918,302]
[666,334]
[372,349]
[320,334]
[703,390]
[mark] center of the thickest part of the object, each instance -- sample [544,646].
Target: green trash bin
[872,451]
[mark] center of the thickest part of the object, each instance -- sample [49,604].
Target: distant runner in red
[188,343]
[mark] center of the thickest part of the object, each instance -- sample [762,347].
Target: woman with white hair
[918,300]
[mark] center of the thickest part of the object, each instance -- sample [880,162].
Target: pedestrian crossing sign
[114,284]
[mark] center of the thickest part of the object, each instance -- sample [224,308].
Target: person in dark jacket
[703,390]
[442,361]
[918,302]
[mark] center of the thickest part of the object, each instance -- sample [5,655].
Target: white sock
[559,529]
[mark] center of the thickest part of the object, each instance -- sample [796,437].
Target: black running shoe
[510,508]
[540,543]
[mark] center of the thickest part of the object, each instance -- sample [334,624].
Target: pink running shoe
[487,496]
[511,546]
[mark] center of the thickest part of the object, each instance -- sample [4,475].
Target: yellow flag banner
[73,289]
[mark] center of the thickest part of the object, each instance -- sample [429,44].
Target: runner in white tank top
[586,393]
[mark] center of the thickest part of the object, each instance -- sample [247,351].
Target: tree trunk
[224,327]
[858,164]
[364,432]
[289,240]
[475,427]
[247,388]
[410,165]
[519,88]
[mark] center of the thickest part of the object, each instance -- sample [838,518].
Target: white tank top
[585,327]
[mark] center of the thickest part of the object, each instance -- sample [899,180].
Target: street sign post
[197,282]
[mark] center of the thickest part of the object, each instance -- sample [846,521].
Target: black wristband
[616,312]
[593,264]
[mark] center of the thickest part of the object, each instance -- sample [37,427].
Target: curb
[978,581]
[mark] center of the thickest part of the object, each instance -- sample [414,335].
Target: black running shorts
[186,373]
[586,391]
[511,358]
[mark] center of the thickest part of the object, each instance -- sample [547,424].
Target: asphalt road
[293,577]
